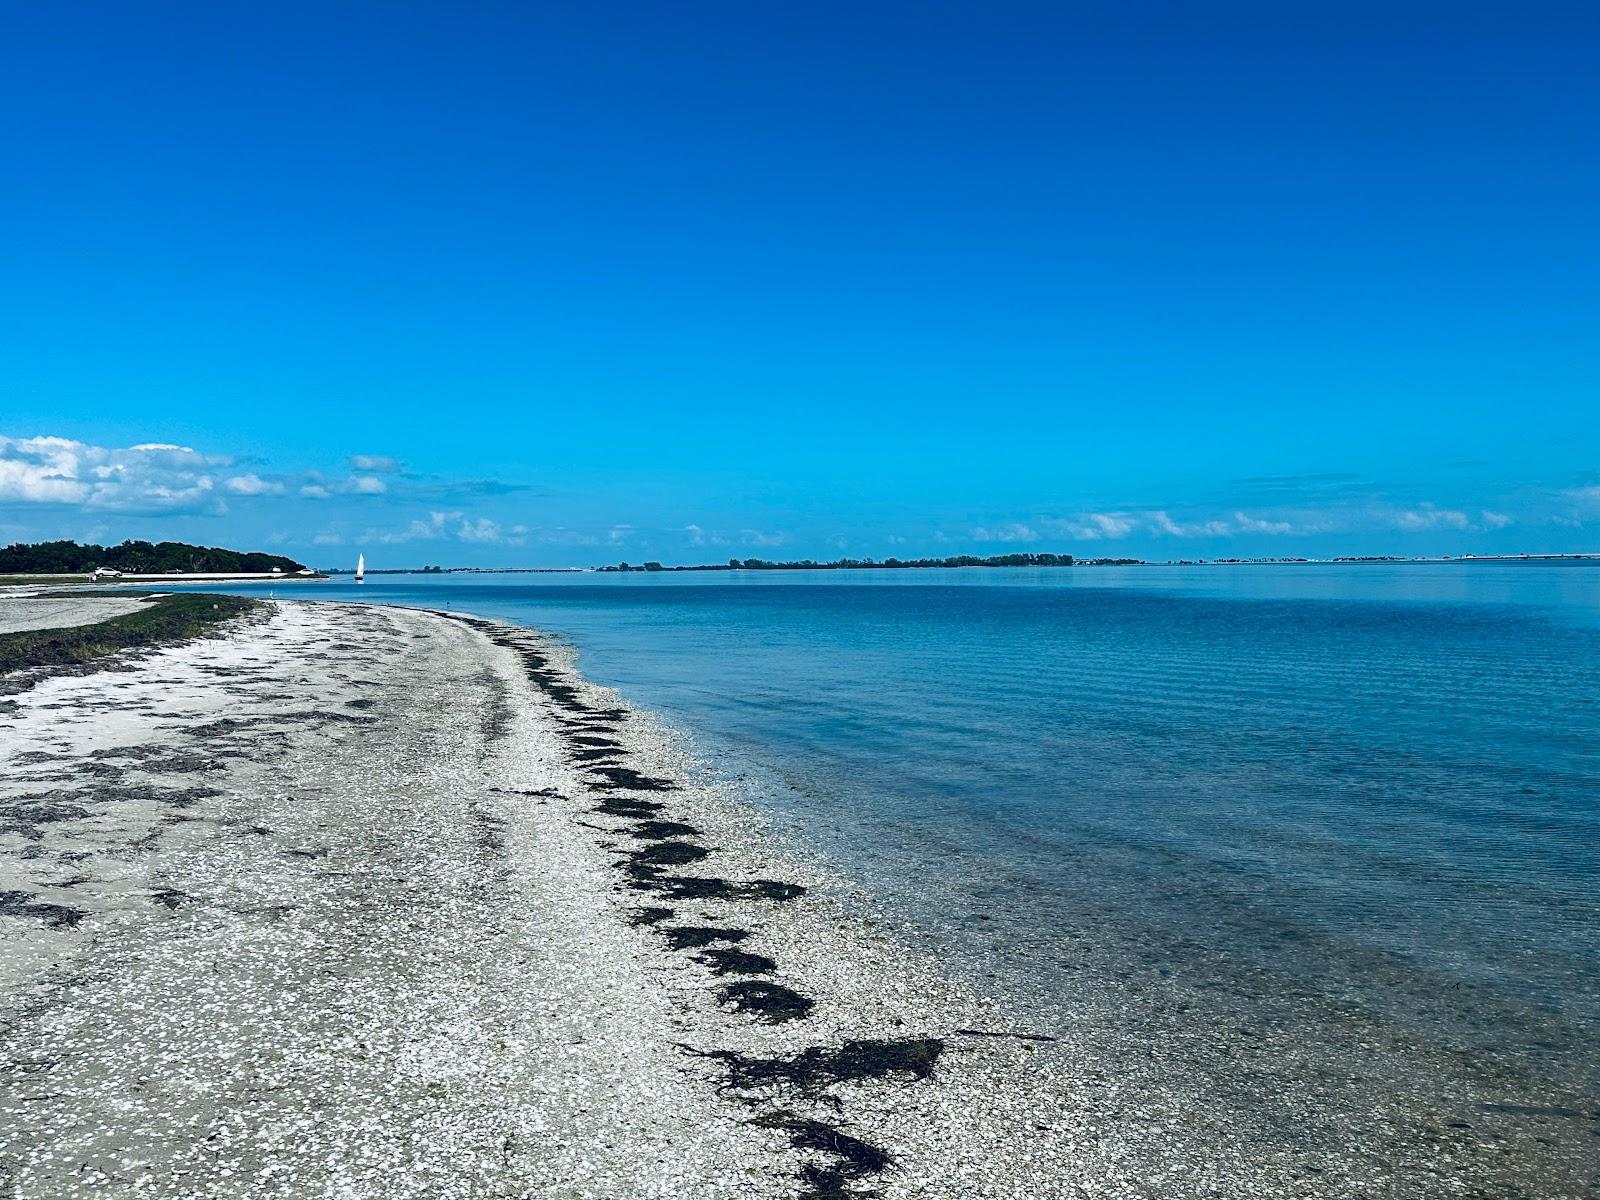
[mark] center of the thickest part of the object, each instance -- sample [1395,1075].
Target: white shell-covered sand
[324,907]
[32,610]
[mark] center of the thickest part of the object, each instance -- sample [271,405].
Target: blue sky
[541,284]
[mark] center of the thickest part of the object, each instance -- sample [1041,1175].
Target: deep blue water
[1377,784]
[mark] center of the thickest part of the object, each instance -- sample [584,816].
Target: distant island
[137,558]
[874,564]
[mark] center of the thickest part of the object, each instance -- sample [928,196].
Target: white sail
[361,568]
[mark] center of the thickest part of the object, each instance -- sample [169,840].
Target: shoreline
[536,933]
[158,858]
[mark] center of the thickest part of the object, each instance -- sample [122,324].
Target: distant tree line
[140,558]
[862,564]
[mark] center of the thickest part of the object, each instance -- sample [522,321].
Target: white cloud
[481,530]
[756,537]
[1014,532]
[1161,522]
[1587,498]
[1111,525]
[327,538]
[562,536]
[366,485]
[1092,527]
[41,471]
[315,491]
[1426,516]
[443,525]
[619,534]
[418,530]
[1495,520]
[374,462]
[252,485]
[1249,524]
[703,537]
[151,476]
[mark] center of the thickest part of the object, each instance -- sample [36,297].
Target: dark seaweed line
[663,843]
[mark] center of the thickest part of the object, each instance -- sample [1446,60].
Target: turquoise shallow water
[1375,787]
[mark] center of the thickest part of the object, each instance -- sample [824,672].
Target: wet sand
[371,902]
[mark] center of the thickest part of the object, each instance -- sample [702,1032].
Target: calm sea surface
[1358,796]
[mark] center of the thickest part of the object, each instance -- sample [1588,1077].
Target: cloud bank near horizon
[53,486]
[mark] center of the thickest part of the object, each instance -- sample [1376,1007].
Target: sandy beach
[31,611]
[356,901]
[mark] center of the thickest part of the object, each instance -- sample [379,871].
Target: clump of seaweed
[678,887]
[856,1159]
[26,904]
[170,897]
[669,854]
[818,1067]
[737,962]
[618,806]
[771,889]
[649,915]
[646,878]
[772,1002]
[29,814]
[660,831]
[692,937]
[627,777]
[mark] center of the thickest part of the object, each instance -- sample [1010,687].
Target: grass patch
[162,622]
[81,579]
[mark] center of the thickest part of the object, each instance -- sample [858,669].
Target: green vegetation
[139,558]
[863,564]
[162,622]
[7,582]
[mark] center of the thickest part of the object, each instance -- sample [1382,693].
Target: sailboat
[361,568]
